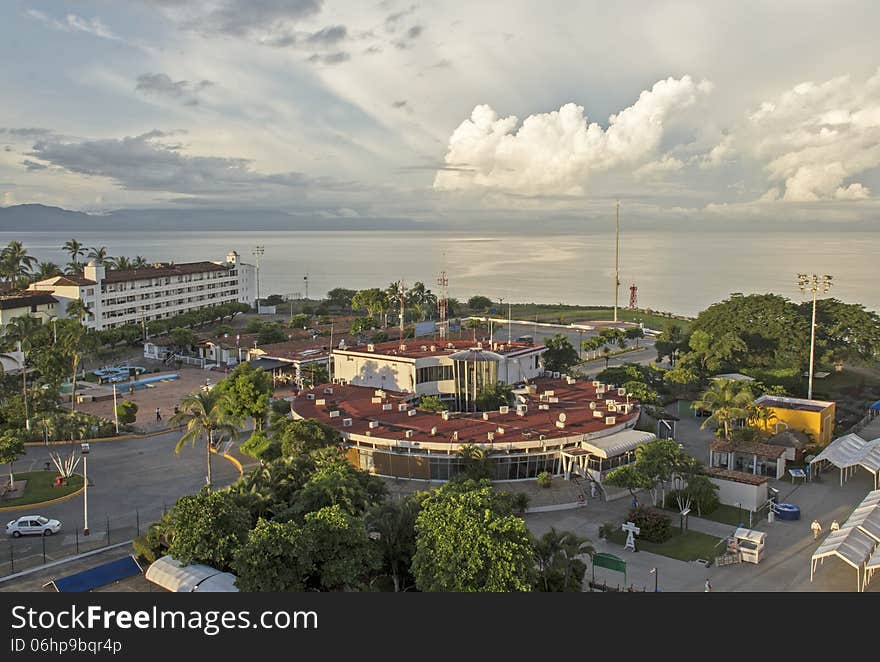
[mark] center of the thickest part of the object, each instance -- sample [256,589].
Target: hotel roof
[69,280]
[162,271]
[557,410]
[26,299]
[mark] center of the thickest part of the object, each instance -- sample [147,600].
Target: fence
[32,551]
[604,587]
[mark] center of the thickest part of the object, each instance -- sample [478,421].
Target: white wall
[377,373]
[731,493]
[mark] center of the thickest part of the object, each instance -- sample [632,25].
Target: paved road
[131,483]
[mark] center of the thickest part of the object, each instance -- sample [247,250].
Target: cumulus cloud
[392,20]
[31,166]
[328,36]
[74,23]
[557,152]
[658,168]
[162,85]
[816,137]
[146,163]
[329,58]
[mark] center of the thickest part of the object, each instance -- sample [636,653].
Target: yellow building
[814,417]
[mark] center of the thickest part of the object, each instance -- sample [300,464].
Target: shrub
[378,337]
[654,525]
[127,411]
[152,545]
[280,407]
[432,403]
[544,479]
[607,529]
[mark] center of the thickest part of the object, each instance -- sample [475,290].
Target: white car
[32,524]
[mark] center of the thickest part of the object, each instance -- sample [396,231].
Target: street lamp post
[115,410]
[85,456]
[656,574]
[258,253]
[814,284]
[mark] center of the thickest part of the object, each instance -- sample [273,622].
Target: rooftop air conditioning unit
[553,400]
[549,393]
[499,430]
[569,379]
[598,414]
[376,401]
[434,431]
[371,347]
[560,425]
[597,384]
[444,414]
[310,396]
[387,406]
[328,391]
[621,391]
[455,435]
[402,348]
[424,348]
[346,422]
[557,375]
[374,425]
[409,434]
[503,410]
[379,393]
[600,390]
[624,408]
[490,436]
[612,407]
[592,405]
[320,402]
[521,410]
[402,406]
[610,420]
[334,413]
[433,348]
[543,406]
[411,412]
[609,401]
[485,416]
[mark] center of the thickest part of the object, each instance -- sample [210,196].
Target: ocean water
[680,272]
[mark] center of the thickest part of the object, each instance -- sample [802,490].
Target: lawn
[687,546]
[724,514]
[568,314]
[39,488]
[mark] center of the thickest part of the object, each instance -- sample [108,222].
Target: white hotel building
[115,298]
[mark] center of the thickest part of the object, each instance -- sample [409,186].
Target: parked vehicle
[32,525]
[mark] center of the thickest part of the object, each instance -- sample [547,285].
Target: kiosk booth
[750,544]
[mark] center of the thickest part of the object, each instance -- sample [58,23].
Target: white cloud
[659,168]
[816,137]
[74,23]
[557,152]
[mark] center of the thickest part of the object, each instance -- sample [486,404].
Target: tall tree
[15,262]
[468,540]
[75,250]
[98,254]
[559,566]
[560,355]
[21,332]
[208,527]
[728,400]
[248,391]
[47,270]
[11,448]
[205,414]
[392,524]
[139,262]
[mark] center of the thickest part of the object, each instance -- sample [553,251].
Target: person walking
[816,528]
[707,587]
[835,526]
[158,415]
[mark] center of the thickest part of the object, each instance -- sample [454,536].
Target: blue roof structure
[101,575]
[875,406]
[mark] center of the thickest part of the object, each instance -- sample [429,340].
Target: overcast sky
[481,110]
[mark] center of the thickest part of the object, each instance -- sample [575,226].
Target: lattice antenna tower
[443,282]
[633,296]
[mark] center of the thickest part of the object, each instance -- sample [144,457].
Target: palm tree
[205,413]
[99,255]
[559,568]
[140,262]
[728,400]
[72,340]
[16,261]
[76,250]
[474,324]
[392,525]
[21,331]
[47,270]
[120,263]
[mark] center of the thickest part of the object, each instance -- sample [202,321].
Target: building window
[434,373]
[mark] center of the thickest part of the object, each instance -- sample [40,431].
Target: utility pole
[616,259]
[306,280]
[509,320]
[814,284]
[115,410]
[258,253]
[85,456]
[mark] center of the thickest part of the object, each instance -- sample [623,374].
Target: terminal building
[453,370]
[115,298]
[557,424]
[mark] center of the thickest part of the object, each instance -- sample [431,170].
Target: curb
[44,503]
[122,437]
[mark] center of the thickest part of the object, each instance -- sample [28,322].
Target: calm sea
[679,272]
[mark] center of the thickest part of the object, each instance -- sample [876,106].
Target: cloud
[239,18]
[399,104]
[26,132]
[161,85]
[31,166]
[410,35]
[815,137]
[659,168]
[328,36]
[330,58]
[146,163]
[74,23]
[558,152]
[392,20]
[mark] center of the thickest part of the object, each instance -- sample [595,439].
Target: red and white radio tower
[633,296]
[443,282]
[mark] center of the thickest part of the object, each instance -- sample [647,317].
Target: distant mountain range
[38,218]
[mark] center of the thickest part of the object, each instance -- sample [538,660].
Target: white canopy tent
[851,451]
[857,543]
[172,575]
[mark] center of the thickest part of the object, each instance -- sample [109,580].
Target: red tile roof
[747,447]
[415,348]
[356,403]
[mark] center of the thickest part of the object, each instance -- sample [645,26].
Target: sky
[493,111]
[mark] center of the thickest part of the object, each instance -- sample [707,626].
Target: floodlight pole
[85,457]
[814,284]
[616,259]
[115,410]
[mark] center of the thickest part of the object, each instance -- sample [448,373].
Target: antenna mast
[401,294]
[616,259]
[443,282]
[633,296]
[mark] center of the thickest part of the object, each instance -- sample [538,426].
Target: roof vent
[379,393]
[557,375]
[598,414]
[612,407]
[387,406]
[409,434]
[371,347]
[424,348]
[374,425]
[549,393]
[485,416]
[310,396]
[560,425]
[592,405]
[411,412]
[346,422]
[621,391]
[521,410]
[334,413]
[499,430]
[597,384]
[320,402]
[610,420]
[434,431]
[490,436]
[503,410]
[479,345]
[553,400]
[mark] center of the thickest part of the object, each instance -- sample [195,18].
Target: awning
[849,543]
[618,443]
[171,575]
[269,364]
[843,452]
[856,543]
